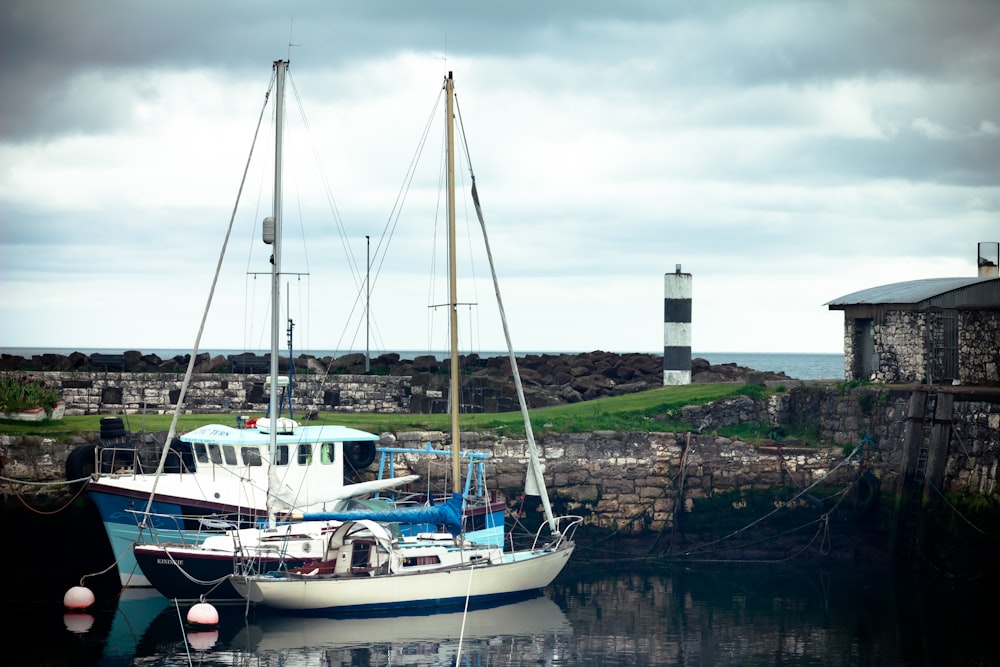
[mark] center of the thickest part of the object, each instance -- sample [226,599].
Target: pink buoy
[78,623]
[203,641]
[78,597]
[203,614]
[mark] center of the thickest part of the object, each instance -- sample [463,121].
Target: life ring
[359,454]
[81,462]
[869,487]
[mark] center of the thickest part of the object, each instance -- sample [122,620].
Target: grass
[652,410]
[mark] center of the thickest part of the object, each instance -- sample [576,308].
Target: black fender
[868,491]
[81,462]
[359,454]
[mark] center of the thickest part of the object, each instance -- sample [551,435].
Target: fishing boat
[232,481]
[368,566]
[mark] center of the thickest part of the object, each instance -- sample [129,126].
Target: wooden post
[937,453]
[903,526]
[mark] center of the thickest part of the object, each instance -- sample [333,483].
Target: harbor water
[830,610]
[737,614]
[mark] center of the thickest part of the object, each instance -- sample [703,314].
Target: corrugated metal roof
[909,292]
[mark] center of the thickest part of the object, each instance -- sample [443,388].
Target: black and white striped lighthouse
[677,328]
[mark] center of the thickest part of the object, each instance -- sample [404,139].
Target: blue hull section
[121,523]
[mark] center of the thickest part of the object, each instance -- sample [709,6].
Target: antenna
[290,44]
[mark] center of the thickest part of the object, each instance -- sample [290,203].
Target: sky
[783,153]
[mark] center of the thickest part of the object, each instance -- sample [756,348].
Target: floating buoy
[78,597]
[78,623]
[203,614]
[202,641]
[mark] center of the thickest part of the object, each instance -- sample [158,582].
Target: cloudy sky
[784,153]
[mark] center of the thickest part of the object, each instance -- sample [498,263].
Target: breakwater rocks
[548,379]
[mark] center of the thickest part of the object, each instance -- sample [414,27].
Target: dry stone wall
[87,393]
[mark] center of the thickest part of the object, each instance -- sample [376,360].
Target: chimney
[988,259]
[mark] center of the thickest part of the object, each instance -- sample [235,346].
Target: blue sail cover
[448,513]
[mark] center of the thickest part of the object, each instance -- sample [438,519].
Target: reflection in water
[529,629]
[760,615]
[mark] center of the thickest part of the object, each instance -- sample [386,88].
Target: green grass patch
[652,410]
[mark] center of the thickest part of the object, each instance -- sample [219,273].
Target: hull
[216,478]
[519,574]
[121,523]
[188,574]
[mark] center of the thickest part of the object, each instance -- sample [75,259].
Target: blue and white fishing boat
[369,565]
[218,479]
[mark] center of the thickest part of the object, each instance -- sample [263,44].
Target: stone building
[933,331]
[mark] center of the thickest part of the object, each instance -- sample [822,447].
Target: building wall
[906,341]
[899,344]
[979,346]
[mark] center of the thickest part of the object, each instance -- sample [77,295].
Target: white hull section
[517,574]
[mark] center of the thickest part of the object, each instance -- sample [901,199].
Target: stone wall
[643,481]
[899,345]
[979,346]
[905,340]
[87,393]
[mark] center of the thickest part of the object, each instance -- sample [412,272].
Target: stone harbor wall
[639,481]
[133,383]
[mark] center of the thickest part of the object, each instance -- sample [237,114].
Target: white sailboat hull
[519,573]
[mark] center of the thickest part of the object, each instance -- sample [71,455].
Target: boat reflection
[529,627]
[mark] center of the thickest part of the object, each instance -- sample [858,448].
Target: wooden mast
[449,86]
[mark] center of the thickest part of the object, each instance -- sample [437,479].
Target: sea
[799,366]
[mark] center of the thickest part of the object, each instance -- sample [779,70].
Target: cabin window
[282,456]
[326,453]
[200,452]
[215,454]
[251,456]
[305,454]
[230,453]
[421,560]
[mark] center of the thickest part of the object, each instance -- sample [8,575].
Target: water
[800,366]
[723,615]
[795,365]
[796,612]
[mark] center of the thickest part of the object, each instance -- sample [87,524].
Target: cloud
[783,153]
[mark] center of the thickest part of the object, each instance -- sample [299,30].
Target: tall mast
[280,67]
[449,86]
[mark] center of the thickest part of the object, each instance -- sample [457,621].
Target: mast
[449,86]
[274,238]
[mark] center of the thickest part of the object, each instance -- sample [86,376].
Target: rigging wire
[194,352]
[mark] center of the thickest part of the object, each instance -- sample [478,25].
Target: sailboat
[234,482]
[367,566]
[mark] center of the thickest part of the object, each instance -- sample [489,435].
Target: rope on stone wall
[15,482]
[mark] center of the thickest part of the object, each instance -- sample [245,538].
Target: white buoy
[203,614]
[203,641]
[78,623]
[78,597]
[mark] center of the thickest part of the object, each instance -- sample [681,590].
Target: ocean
[800,366]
